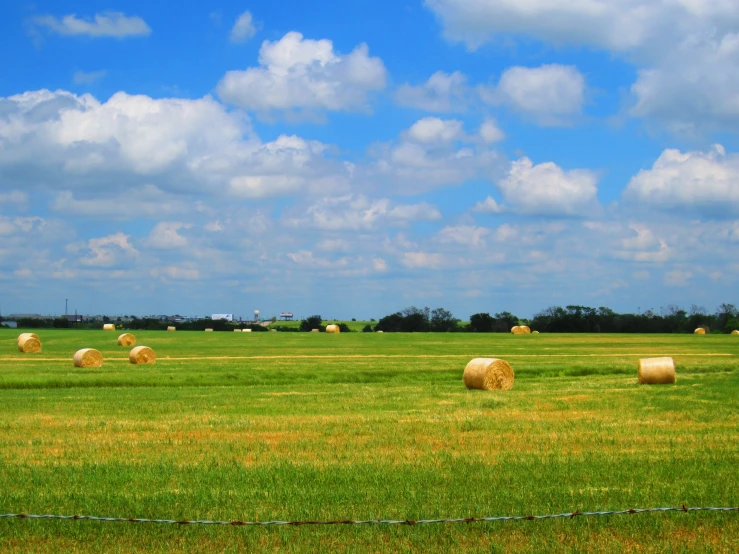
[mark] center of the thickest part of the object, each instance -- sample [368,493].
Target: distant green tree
[312,322]
[481,323]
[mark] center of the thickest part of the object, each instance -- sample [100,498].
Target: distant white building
[227,317]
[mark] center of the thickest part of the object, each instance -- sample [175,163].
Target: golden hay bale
[656,371]
[209,330]
[170,328]
[28,343]
[518,330]
[699,331]
[88,357]
[247,330]
[488,374]
[534,332]
[109,327]
[333,329]
[142,355]
[735,332]
[525,329]
[126,339]
[315,330]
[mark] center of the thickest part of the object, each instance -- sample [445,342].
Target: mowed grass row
[293,428]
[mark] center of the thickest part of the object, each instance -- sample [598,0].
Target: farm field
[295,426]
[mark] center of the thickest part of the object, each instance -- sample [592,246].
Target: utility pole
[66,307]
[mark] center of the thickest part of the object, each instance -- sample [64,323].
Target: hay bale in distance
[735,332]
[656,371]
[273,330]
[488,374]
[126,339]
[699,331]
[247,330]
[237,330]
[315,330]
[379,331]
[142,355]
[109,327]
[517,330]
[29,343]
[525,328]
[209,330]
[88,357]
[534,332]
[333,329]
[170,328]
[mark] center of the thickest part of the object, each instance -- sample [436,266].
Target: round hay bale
[29,343]
[109,327]
[142,355]
[517,330]
[488,374]
[656,371]
[525,329]
[170,328]
[126,339]
[273,330]
[315,330]
[333,329]
[88,357]
[534,332]
[247,330]
[699,331]
[237,330]
[380,331]
[735,332]
[209,330]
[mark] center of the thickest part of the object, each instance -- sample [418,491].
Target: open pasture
[295,426]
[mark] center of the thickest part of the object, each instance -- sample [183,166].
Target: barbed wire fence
[409,522]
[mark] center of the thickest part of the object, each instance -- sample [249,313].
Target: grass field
[314,426]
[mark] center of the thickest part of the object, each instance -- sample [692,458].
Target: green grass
[305,426]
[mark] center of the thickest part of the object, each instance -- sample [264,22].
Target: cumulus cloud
[422,260]
[107,24]
[490,132]
[16,199]
[434,130]
[703,182]
[467,235]
[443,92]
[550,94]
[164,235]
[110,251]
[686,51]
[547,189]
[361,213]
[298,73]
[243,29]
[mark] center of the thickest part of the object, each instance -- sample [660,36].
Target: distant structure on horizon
[286,316]
[227,317]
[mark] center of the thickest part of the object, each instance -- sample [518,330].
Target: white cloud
[244,28]
[703,182]
[548,189]
[147,202]
[422,260]
[443,92]
[490,132]
[302,73]
[488,206]
[434,130]
[175,273]
[164,235]
[361,213]
[467,235]
[107,24]
[550,94]
[110,251]
[86,78]
[677,278]
[686,50]
[15,198]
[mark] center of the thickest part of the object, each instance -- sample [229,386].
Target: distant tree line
[555,319]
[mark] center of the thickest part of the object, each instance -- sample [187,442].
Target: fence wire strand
[631,511]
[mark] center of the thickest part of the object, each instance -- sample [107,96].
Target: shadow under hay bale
[656,371]
[29,343]
[88,357]
[142,355]
[126,339]
[488,374]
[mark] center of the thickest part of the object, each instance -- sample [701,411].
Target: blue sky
[354,158]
